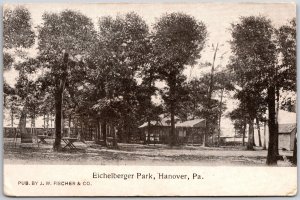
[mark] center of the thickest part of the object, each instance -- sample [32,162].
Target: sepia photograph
[149,86]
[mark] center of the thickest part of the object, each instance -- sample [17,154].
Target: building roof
[164,121]
[191,123]
[286,128]
[153,123]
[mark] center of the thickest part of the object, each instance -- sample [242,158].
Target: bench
[69,142]
[41,139]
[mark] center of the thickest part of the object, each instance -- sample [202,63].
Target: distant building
[186,132]
[157,132]
[286,136]
[191,131]
[287,130]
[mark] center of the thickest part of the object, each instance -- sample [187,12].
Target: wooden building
[157,132]
[191,132]
[186,132]
[286,136]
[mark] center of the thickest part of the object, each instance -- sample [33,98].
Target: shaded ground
[135,154]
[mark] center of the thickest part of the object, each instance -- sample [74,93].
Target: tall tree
[17,33]
[286,40]
[198,96]
[124,42]
[178,40]
[286,37]
[11,104]
[18,36]
[222,84]
[26,90]
[254,61]
[17,28]
[240,121]
[209,130]
[63,41]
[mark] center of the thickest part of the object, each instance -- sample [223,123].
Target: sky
[217,17]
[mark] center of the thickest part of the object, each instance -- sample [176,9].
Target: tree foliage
[17,28]
[63,43]
[286,39]
[177,41]
[255,64]
[106,76]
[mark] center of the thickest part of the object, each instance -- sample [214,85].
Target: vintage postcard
[186,99]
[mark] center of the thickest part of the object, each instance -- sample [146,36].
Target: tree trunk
[206,132]
[97,138]
[12,118]
[258,130]
[51,125]
[294,158]
[62,123]
[212,137]
[148,129]
[253,140]
[265,136]
[115,143]
[251,135]
[172,110]
[124,133]
[129,134]
[31,126]
[25,137]
[148,100]
[44,119]
[58,121]
[59,103]
[244,131]
[81,130]
[277,115]
[104,133]
[47,121]
[75,126]
[96,133]
[173,137]
[273,128]
[220,116]
[69,126]
[204,139]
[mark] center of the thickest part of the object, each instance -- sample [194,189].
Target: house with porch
[186,132]
[156,131]
[191,131]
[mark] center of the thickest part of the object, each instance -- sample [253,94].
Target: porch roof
[153,123]
[191,123]
[286,128]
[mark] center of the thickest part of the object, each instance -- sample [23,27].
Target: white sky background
[216,16]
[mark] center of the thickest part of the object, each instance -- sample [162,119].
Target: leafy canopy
[178,40]
[17,28]
[68,31]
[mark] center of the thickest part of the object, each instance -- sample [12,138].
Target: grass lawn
[90,153]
